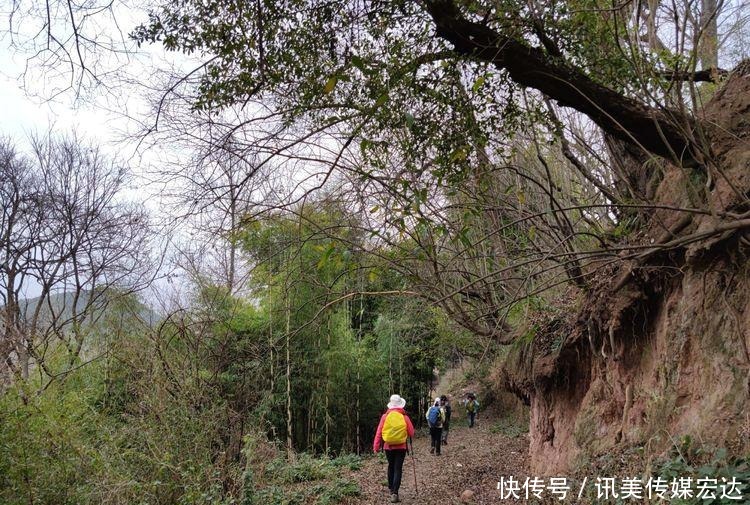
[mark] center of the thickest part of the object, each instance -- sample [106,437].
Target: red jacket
[379,433]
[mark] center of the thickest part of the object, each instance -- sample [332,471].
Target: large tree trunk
[708,46]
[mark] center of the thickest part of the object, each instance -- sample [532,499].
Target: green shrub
[330,493]
[274,495]
[50,443]
[689,460]
[350,461]
[281,477]
[306,468]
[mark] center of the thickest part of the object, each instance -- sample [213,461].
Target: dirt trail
[474,460]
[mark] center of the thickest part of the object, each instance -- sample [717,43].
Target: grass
[308,468]
[510,427]
[308,480]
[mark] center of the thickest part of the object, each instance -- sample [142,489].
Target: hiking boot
[432,450]
[394,498]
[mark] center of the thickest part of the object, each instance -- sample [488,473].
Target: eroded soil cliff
[658,346]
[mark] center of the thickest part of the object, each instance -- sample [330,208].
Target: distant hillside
[62,306]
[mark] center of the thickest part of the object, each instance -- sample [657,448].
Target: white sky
[31,77]
[106,115]
[23,114]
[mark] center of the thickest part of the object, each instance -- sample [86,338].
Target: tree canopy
[418,67]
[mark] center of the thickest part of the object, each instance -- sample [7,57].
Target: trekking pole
[414,467]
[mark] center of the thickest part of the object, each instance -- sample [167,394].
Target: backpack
[471,406]
[394,428]
[433,416]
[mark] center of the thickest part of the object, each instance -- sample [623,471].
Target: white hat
[437,402]
[396,402]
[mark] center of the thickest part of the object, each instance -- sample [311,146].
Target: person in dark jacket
[446,404]
[395,452]
[435,418]
[472,407]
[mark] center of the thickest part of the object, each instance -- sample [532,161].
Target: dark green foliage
[349,461]
[374,68]
[334,492]
[324,486]
[274,495]
[697,462]
[327,493]
[380,71]
[304,469]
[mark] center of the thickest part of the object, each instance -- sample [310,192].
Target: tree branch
[708,75]
[652,129]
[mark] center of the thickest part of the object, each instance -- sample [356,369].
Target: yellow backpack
[394,428]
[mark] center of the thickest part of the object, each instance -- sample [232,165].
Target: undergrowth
[510,427]
[705,471]
[712,465]
[320,476]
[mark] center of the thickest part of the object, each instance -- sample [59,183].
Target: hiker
[446,404]
[472,407]
[435,418]
[394,429]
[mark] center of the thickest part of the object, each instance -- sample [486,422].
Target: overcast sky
[23,114]
[31,79]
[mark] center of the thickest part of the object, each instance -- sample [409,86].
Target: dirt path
[474,460]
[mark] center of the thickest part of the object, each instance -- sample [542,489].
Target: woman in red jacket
[398,427]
